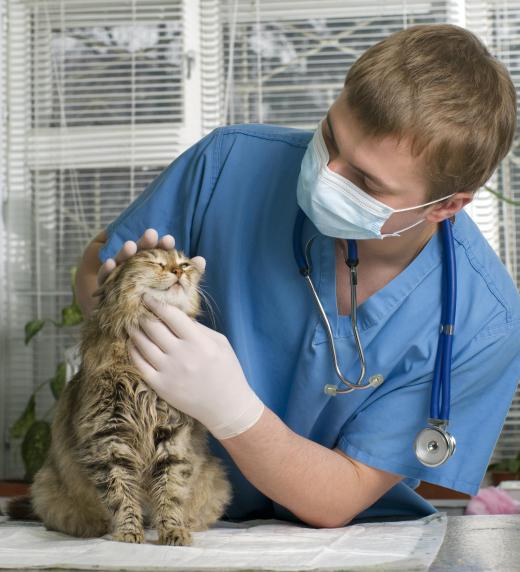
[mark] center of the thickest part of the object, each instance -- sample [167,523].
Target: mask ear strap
[396,233]
[424,205]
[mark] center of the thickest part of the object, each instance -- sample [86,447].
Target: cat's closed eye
[183,265]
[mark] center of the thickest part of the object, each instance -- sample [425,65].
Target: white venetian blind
[287,60]
[3,281]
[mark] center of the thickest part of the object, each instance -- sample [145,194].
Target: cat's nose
[177,272]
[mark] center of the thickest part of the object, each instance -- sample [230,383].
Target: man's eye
[368,186]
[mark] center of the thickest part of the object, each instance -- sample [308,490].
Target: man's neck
[396,251]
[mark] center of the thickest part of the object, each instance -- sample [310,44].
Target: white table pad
[251,545]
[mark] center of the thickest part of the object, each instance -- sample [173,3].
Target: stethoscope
[433,445]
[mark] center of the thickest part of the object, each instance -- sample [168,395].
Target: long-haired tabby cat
[117,448]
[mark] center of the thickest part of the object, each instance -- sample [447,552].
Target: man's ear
[450,207]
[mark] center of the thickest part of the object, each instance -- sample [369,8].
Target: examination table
[438,543]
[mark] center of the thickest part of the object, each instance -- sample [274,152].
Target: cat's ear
[112,275]
[101,289]
[199,262]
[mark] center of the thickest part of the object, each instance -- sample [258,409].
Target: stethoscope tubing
[441,383]
[442,387]
[351,386]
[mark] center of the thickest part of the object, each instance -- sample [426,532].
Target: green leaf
[58,381]
[73,271]
[501,197]
[35,447]
[71,315]
[25,420]
[514,466]
[32,328]
[506,466]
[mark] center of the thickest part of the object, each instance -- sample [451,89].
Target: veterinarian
[423,120]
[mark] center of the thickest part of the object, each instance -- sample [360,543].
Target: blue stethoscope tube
[433,445]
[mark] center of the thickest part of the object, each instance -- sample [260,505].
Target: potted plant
[36,432]
[505,470]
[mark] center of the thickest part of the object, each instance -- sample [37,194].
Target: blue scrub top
[232,199]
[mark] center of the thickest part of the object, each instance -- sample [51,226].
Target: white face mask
[336,206]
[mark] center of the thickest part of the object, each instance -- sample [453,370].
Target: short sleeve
[483,384]
[173,203]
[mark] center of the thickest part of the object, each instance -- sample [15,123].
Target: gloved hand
[148,240]
[194,369]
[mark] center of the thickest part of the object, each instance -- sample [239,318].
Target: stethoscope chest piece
[434,446]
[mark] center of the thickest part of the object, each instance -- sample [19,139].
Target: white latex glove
[148,240]
[195,369]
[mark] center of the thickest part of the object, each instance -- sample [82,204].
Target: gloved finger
[148,239]
[178,322]
[159,333]
[199,262]
[104,270]
[148,350]
[128,249]
[167,242]
[147,371]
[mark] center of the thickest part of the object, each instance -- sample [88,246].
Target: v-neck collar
[377,306]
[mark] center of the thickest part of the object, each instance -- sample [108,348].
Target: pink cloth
[492,500]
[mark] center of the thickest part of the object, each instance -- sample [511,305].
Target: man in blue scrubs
[291,450]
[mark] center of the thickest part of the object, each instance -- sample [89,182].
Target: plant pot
[498,476]
[14,488]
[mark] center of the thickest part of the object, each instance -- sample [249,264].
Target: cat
[117,448]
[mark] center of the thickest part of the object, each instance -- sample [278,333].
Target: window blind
[3,281]
[287,61]
[102,95]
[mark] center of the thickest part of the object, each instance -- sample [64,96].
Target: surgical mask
[336,206]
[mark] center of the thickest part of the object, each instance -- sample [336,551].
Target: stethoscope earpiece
[330,389]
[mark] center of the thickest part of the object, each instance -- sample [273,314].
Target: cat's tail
[21,508]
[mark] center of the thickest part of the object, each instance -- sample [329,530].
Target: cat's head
[167,275]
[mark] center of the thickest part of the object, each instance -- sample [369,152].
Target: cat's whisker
[206,297]
[201,290]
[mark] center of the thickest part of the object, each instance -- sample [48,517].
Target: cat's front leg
[169,475]
[115,470]
[116,477]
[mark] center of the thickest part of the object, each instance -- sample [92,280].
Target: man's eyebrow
[364,173]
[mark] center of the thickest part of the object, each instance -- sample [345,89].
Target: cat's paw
[135,537]
[177,536]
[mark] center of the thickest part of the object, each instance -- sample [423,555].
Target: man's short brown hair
[438,87]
